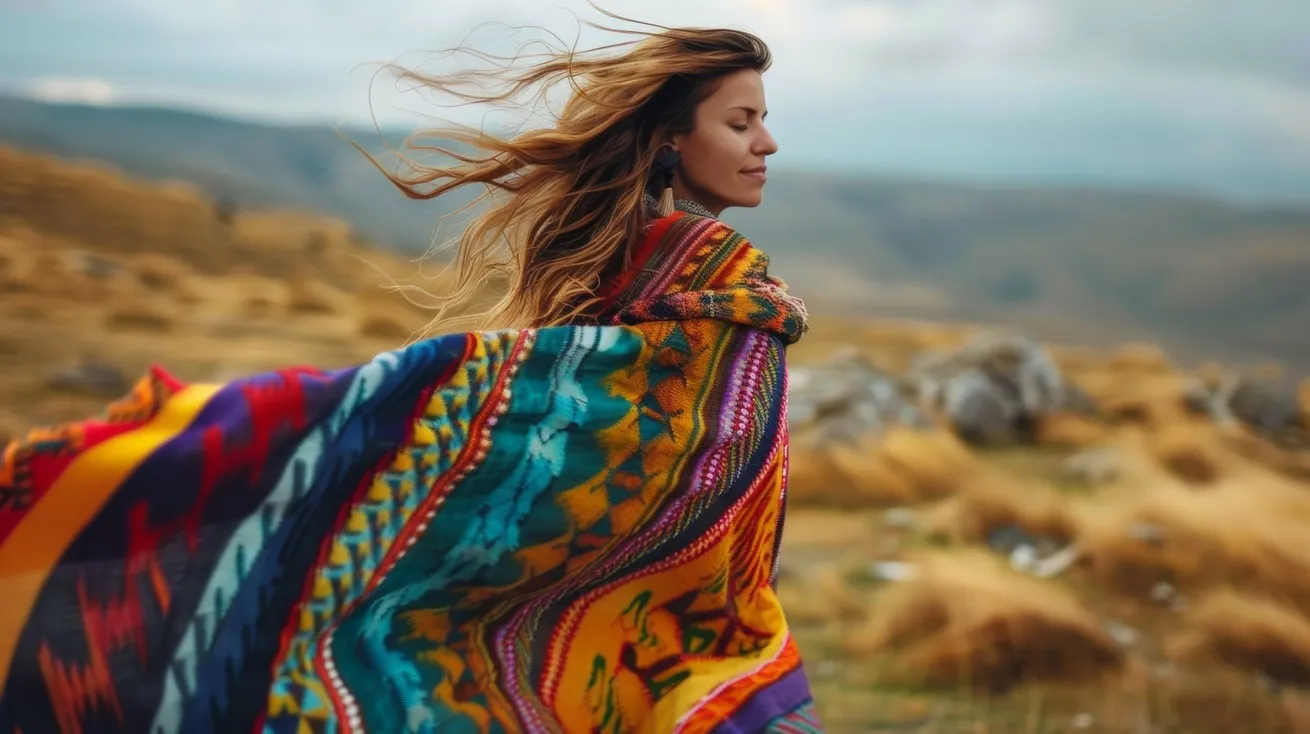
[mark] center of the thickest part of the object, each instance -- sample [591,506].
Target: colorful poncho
[570,529]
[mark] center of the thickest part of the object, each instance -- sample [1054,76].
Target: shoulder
[691,266]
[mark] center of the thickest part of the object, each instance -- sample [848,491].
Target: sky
[1204,94]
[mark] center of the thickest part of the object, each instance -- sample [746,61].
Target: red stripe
[644,251]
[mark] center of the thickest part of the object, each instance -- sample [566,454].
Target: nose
[765,144]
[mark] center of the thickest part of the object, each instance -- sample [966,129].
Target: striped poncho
[572,529]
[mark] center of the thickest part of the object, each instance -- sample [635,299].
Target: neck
[689,206]
[681,193]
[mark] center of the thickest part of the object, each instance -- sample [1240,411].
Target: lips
[759,173]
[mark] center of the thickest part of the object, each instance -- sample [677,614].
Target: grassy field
[1187,610]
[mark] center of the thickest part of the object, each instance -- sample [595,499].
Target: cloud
[1193,91]
[84,90]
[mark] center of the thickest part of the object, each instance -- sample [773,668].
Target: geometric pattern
[571,528]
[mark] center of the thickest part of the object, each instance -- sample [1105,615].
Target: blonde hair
[566,203]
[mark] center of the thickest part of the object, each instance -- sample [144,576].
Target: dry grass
[140,313]
[994,501]
[1246,531]
[1144,398]
[261,297]
[1071,431]
[312,297]
[1222,515]
[822,599]
[1141,359]
[1193,452]
[967,619]
[1254,634]
[902,466]
[392,323]
[160,273]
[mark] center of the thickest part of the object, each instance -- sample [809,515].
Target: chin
[750,201]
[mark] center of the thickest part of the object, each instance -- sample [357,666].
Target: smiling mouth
[756,172]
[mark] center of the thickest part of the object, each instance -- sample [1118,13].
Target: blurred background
[1051,469]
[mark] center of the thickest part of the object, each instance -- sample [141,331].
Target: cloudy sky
[1209,94]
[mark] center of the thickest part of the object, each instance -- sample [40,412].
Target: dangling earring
[665,161]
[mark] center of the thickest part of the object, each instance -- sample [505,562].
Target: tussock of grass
[1247,531]
[128,312]
[1070,431]
[996,501]
[969,620]
[307,296]
[901,466]
[1254,634]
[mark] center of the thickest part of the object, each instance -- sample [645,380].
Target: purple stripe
[682,251]
[781,697]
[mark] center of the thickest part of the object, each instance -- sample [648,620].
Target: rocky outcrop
[993,388]
[1268,407]
[849,397]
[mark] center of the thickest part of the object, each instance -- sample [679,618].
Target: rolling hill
[1199,275]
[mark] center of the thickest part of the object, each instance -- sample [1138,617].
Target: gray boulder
[849,397]
[1268,407]
[994,386]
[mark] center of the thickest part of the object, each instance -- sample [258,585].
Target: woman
[567,527]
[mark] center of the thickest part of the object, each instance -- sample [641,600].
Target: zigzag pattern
[373,524]
[569,528]
[248,542]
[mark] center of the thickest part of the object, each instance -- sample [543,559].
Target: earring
[665,161]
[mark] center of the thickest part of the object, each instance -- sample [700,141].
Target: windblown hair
[564,205]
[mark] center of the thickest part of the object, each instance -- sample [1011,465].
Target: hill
[1202,276]
[1124,563]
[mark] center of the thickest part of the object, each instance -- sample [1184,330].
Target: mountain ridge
[1199,274]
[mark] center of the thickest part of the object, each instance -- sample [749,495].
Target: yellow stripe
[36,545]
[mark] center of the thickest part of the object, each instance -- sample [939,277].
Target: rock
[1163,591]
[1005,538]
[1269,407]
[1093,467]
[1074,399]
[1146,532]
[1057,563]
[1023,557]
[901,517]
[89,376]
[983,412]
[1198,398]
[892,571]
[994,387]
[847,398]
[1028,553]
[1121,633]
[93,265]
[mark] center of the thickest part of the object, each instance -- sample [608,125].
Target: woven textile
[562,529]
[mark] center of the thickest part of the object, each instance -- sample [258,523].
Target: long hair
[564,205]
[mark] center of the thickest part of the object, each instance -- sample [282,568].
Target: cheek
[714,163]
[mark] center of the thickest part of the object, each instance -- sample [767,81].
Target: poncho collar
[690,266]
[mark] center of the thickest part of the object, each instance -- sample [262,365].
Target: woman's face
[723,155]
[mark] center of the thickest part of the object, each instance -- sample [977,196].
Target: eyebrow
[750,110]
